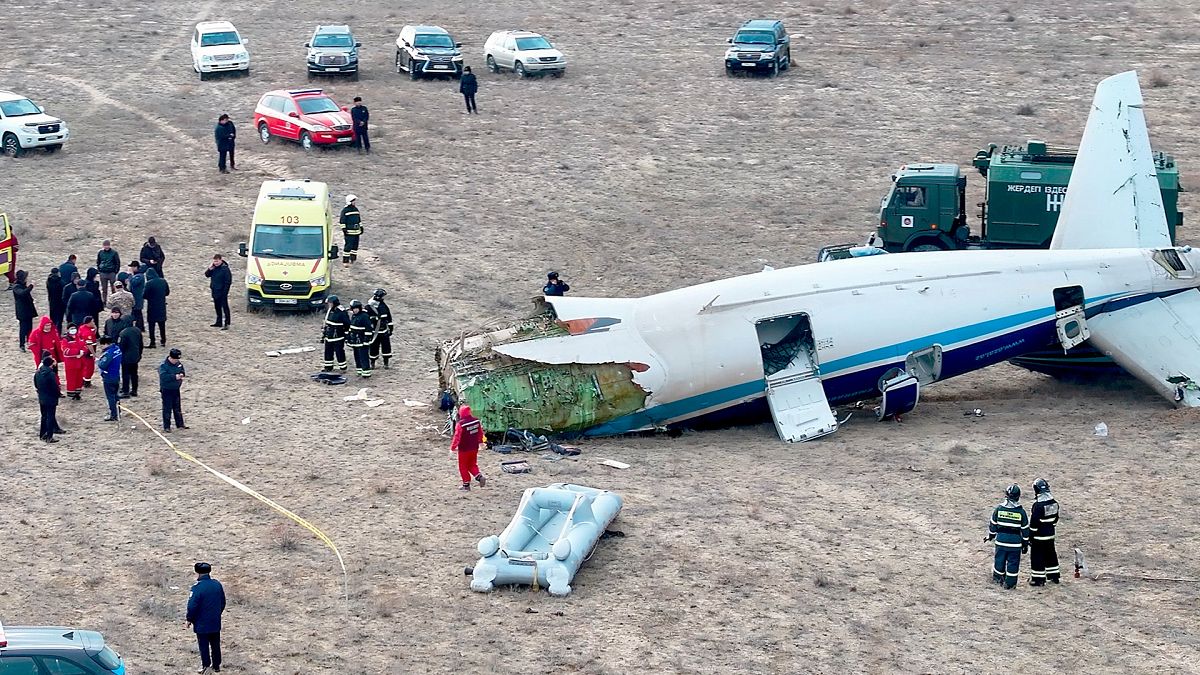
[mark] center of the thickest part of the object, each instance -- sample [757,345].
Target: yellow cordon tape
[253,493]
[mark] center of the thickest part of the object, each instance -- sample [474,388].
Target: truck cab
[291,244]
[924,209]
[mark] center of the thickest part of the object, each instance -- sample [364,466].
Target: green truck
[925,210]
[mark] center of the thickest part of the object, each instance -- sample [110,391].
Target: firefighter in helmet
[382,346]
[1043,516]
[1009,528]
[362,334]
[333,334]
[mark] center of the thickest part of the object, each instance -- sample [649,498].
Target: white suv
[217,48]
[25,125]
[524,53]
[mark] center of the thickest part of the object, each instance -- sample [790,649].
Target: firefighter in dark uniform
[351,221]
[1009,527]
[362,334]
[333,334]
[1043,516]
[382,346]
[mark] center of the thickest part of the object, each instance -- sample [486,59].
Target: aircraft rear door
[794,392]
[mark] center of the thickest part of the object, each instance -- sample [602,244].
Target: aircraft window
[1031,175]
[909,196]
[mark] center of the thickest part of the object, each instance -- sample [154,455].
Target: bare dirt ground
[643,169]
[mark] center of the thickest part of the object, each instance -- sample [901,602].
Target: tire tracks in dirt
[201,14]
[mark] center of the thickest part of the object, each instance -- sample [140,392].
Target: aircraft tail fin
[1113,198]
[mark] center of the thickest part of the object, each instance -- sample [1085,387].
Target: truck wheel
[926,245]
[264,134]
[398,69]
[354,76]
[51,149]
[787,60]
[519,69]
[12,147]
[310,76]
[413,73]
[774,70]
[491,64]
[203,75]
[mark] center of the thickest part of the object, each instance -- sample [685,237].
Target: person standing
[170,379]
[220,280]
[351,221]
[87,334]
[333,334]
[1009,528]
[1043,517]
[115,323]
[156,292]
[54,291]
[225,134]
[554,286]
[361,118]
[468,84]
[205,606]
[79,305]
[152,256]
[45,381]
[110,375]
[137,286]
[121,298]
[108,262]
[130,341]
[45,340]
[468,435]
[22,292]
[362,334]
[92,284]
[73,351]
[382,346]
[68,269]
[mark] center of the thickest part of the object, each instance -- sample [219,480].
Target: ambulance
[291,244]
[8,249]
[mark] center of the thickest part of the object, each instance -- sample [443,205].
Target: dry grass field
[644,169]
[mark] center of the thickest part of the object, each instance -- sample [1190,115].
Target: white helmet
[350,199]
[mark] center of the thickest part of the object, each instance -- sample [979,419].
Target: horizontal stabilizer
[1113,198]
[1158,342]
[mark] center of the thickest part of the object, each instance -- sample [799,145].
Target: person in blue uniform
[1009,528]
[204,609]
[554,285]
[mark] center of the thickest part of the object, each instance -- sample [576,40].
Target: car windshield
[755,37]
[107,658]
[288,241]
[217,39]
[18,108]
[433,40]
[332,40]
[530,43]
[317,104]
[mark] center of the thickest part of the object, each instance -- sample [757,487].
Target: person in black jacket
[93,286]
[68,269]
[170,379]
[205,606]
[225,134]
[69,289]
[361,118]
[468,84]
[23,302]
[131,342]
[155,295]
[220,281]
[79,305]
[54,291]
[108,262]
[115,323]
[554,286]
[45,380]
[383,329]
[362,334]
[351,222]
[152,256]
[333,334]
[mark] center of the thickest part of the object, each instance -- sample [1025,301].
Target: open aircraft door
[794,392]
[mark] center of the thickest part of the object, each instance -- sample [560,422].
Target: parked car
[25,124]
[760,45]
[308,116]
[49,650]
[332,49]
[427,50]
[524,53]
[217,48]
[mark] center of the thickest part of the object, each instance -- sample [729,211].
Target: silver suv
[333,49]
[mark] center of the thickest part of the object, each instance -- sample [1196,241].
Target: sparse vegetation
[157,467]
[159,608]
[285,537]
[1025,110]
[1158,80]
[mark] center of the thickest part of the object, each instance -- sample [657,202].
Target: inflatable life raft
[554,531]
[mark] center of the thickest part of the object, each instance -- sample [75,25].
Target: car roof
[214,26]
[52,637]
[10,96]
[317,189]
[517,33]
[341,29]
[761,24]
[296,93]
[429,29]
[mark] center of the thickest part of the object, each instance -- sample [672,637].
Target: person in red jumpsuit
[468,435]
[73,350]
[87,335]
[45,338]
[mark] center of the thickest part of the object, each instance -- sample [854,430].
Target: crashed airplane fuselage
[818,335]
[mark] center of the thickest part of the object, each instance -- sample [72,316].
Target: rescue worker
[361,118]
[73,350]
[1009,527]
[1043,516]
[554,286]
[468,436]
[362,334]
[333,334]
[382,346]
[45,340]
[351,221]
[87,335]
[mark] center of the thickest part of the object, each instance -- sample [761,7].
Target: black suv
[760,45]
[47,650]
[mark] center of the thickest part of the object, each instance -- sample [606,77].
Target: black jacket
[155,295]
[362,330]
[225,135]
[67,270]
[556,289]
[108,262]
[220,279]
[468,84]
[130,341]
[67,291]
[54,291]
[113,328]
[166,375]
[45,380]
[360,115]
[23,301]
[149,253]
[337,323]
[351,220]
[80,305]
[205,605]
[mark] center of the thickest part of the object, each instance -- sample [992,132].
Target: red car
[304,115]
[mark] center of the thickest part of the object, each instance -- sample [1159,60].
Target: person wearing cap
[351,221]
[45,381]
[225,134]
[170,378]
[121,298]
[110,374]
[333,334]
[382,346]
[115,323]
[362,334]
[554,286]
[73,351]
[220,280]
[468,435]
[108,263]
[205,605]
[361,118]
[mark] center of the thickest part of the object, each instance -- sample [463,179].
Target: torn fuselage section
[507,392]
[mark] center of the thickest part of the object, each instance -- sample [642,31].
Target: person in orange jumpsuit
[468,435]
[87,334]
[73,350]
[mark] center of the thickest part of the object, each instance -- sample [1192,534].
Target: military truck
[1024,187]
